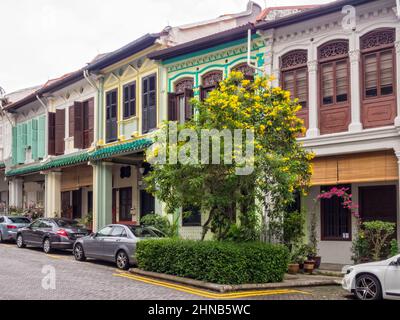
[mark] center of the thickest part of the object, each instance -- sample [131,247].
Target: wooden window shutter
[71,127]
[78,125]
[42,137]
[20,145]
[145,105]
[29,134]
[34,135]
[152,112]
[14,145]
[172,107]
[52,134]
[203,94]
[25,134]
[91,121]
[60,132]
[188,106]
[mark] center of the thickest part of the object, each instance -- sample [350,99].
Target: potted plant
[309,266]
[297,260]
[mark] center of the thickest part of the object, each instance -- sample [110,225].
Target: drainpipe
[86,75]
[249,63]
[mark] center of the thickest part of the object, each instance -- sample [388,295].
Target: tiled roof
[282,11]
[82,157]
[121,148]
[59,162]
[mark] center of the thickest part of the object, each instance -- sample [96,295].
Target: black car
[51,234]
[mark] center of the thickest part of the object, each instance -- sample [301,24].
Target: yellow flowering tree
[235,205]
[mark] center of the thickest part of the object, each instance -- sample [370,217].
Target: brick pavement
[21,278]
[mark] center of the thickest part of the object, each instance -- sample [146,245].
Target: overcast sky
[44,39]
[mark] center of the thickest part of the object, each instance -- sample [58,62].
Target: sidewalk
[290,281]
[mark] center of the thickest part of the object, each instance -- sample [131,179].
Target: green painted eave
[59,162]
[82,157]
[206,51]
[120,149]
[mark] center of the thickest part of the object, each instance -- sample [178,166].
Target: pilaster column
[313,130]
[398,196]
[355,125]
[102,195]
[268,39]
[16,188]
[397,45]
[53,194]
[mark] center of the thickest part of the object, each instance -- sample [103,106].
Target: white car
[374,281]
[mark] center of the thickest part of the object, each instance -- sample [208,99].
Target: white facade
[309,35]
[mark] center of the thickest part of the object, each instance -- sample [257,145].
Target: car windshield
[143,232]
[19,220]
[68,223]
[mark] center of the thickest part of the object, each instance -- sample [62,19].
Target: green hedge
[216,262]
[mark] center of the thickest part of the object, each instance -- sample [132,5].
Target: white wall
[338,251]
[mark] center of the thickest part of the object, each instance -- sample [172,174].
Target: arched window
[179,107]
[209,82]
[334,83]
[247,71]
[379,78]
[294,78]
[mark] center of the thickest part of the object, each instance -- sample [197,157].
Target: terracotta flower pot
[293,268]
[309,266]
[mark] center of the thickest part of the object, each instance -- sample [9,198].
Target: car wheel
[368,287]
[20,241]
[79,254]
[1,238]
[47,246]
[122,260]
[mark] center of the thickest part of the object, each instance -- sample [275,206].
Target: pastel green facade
[222,58]
[29,135]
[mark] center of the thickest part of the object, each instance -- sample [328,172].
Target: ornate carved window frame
[294,59]
[244,68]
[333,50]
[333,53]
[293,62]
[182,84]
[378,39]
[373,45]
[215,77]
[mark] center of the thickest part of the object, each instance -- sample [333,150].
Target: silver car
[9,226]
[114,243]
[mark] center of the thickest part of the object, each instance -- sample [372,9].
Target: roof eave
[309,14]
[143,43]
[202,43]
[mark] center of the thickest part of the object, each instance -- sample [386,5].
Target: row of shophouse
[75,146]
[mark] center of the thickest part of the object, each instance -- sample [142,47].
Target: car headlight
[347,270]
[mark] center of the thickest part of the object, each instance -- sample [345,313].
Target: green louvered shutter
[14,145]
[21,144]
[29,134]
[42,137]
[34,135]
[25,134]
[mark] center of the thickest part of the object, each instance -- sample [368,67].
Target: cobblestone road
[21,277]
